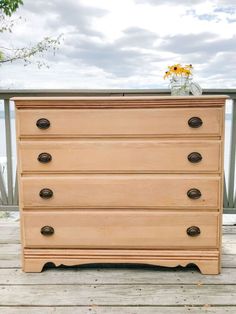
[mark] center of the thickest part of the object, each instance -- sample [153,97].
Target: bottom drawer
[120,229]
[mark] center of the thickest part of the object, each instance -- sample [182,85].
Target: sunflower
[179,70]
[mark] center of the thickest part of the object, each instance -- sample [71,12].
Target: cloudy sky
[124,43]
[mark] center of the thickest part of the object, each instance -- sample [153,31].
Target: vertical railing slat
[225,196]
[4,200]
[15,196]
[8,151]
[234,123]
[232,158]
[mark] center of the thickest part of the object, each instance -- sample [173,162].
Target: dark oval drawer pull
[46,193]
[47,230]
[43,123]
[193,231]
[44,158]
[195,157]
[195,122]
[194,194]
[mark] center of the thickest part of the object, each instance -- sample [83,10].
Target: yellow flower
[175,68]
[167,74]
[186,72]
[178,69]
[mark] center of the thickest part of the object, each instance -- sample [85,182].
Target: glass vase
[180,86]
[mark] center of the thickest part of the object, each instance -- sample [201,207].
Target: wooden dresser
[121,180]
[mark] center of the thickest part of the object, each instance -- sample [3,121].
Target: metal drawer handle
[44,158]
[46,193]
[195,157]
[195,122]
[193,231]
[43,123]
[194,194]
[47,230]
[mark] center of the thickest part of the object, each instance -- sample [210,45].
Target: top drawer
[120,122]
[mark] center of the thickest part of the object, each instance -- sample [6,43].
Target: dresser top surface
[108,98]
[119,102]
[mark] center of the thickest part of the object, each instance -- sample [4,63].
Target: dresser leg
[33,265]
[209,267]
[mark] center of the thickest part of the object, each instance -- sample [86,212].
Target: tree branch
[27,53]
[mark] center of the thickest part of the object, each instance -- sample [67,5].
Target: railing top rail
[6,94]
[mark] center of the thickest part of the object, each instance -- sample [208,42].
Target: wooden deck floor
[114,289]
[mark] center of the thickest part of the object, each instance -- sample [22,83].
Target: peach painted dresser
[132,179]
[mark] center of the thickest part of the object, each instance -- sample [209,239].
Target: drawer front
[119,229]
[119,155]
[121,191]
[120,122]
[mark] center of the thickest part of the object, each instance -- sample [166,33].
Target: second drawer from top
[116,155]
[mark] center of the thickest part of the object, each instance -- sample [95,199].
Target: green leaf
[8,7]
[1,55]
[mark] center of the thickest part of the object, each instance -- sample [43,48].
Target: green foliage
[47,44]
[10,6]
[6,24]
[26,54]
[5,214]
[1,56]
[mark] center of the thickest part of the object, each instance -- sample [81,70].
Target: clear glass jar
[180,86]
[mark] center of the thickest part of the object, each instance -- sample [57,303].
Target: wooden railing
[8,182]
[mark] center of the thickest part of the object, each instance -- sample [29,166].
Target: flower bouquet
[181,80]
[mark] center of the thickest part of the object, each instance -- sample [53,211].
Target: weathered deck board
[112,294]
[229,260]
[10,233]
[124,275]
[229,229]
[120,310]
[113,289]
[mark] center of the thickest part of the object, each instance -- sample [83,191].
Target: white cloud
[125,43]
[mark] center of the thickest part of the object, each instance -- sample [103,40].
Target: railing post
[231,199]
[8,151]
[234,122]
